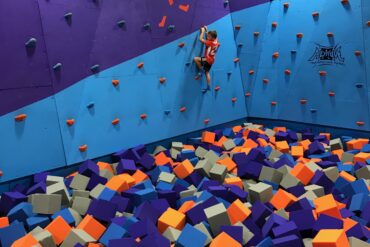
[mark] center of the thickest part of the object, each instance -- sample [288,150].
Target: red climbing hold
[20,117]
[330,34]
[360,123]
[1,173]
[303,101]
[323,73]
[82,148]
[184,8]
[287,72]
[247,94]
[331,94]
[217,88]
[140,65]
[236,60]
[115,121]
[273,103]
[162,80]
[182,109]
[299,35]
[233,99]
[143,116]
[206,121]
[368,23]
[115,82]
[256,34]
[237,27]
[286,5]
[345,2]
[275,55]
[265,81]
[163,21]
[315,14]
[170,2]
[274,24]
[358,53]
[251,72]
[70,122]
[181,45]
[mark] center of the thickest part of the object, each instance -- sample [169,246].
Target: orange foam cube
[282,129]
[330,237]
[105,166]
[26,241]
[237,211]
[4,222]
[338,152]
[297,151]
[304,144]
[221,141]
[139,176]
[120,182]
[223,239]
[208,137]
[361,157]
[249,143]
[347,176]
[303,173]
[189,147]
[161,159]
[327,205]
[348,223]
[262,142]
[173,218]
[186,206]
[327,135]
[184,169]
[282,146]
[357,143]
[228,162]
[92,227]
[234,181]
[59,229]
[282,199]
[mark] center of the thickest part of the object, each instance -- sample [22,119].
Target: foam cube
[289,181]
[204,167]
[59,189]
[238,212]
[59,229]
[9,199]
[183,169]
[92,227]
[11,233]
[76,236]
[50,180]
[46,204]
[270,174]
[260,192]
[44,238]
[113,231]
[282,199]
[302,173]
[171,218]
[171,234]
[218,172]
[217,216]
[79,182]
[330,237]
[223,239]
[191,236]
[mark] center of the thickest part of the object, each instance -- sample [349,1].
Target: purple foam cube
[282,136]
[316,148]
[273,221]
[9,200]
[253,135]
[304,219]
[297,190]
[21,188]
[291,240]
[257,154]
[126,166]
[321,179]
[88,168]
[39,188]
[142,228]
[139,151]
[250,169]
[308,135]
[123,204]
[327,222]
[358,231]
[234,193]
[147,211]
[40,177]
[194,178]
[160,204]
[259,212]
[236,232]
[302,204]
[170,196]
[196,214]
[219,191]
[102,210]
[127,242]
[288,228]
[293,137]
[146,161]
[95,180]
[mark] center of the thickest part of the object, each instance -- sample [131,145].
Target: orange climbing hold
[330,34]
[368,23]
[273,103]
[170,2]
[140,65]
[331,94]
[115,121]
[287,72]
[20,117]
[184,8]
[238,27]
[274,24]
[286,5]
[345,2]
[275,55]
[299,35]
[360,123]
[233,99]
[83,148]
[323,73]
[265,81]
[183,109]
[206,121]
[163,21]
[251,72]
[143,116]
[315,14]
[70,122]
[236,60]
[256,34]
[182,44]
[115,82]
[217,88]
[358,53]
[303,101]
[248,94]
[162,80]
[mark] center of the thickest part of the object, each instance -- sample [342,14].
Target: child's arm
[201,36]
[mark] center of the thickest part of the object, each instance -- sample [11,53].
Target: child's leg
[208,77]
[198,62]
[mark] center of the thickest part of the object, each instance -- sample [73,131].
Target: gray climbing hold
[293,51]
[57,66]
[31,42]
[226,3]
[359,85]
[90,105]
[147,26]
[68,16]
[188,63]
[313,110]
[171,28]
[121,23]
[229,73]
[167,112]
[240,44]
[95,68]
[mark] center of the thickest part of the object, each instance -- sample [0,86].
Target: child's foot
[208,88]
[198,76]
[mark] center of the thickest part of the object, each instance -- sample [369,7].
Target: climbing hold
[167,112]
[331,94]
[70,122]
[323,73]
[57,66]
[358,53]
[206,121]
[95,68]
[170,2]
[115,121]
[303,101]
[90,105]
[233,99]
[286,6]
[162,80]
[313,110]
[217,88]
[274,24]
[345,2]
[247,94]
[368,23]
[187,63]
[275,55]
[315,14]
[1,173]
[171,28]
[237,27]
[31,42]
[240,44]
[68,16]
[256,34]
[251,72]
[226,3]
[236,60]
[140,65]
[359,85]
[299,35]
[82,148]
[360,123]
[143,116]
[181,45]
[121,23]
[293,51]
[330,34]
[163,21]
[115,82]
[229,73]
[20,117]
[273,103]
[265,81]
[184,8]
[287,72]
[147,26]
[182,109]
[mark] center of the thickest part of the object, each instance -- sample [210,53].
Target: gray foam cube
[174,153]
[282,213]
[313,166]
[172,234]
[203,167]
[335,144]
[167,177]
[318,190]
[114,167]
[260,192]
[299,136]
[289,181]
[59,189]
[177,145]
[187,193]
[332,173]
[76,236]
[270,174]
[363,172]
[79,182]
[201,227]
[211,156]
[81,204]
[76,216]
[310,195]
[200,152]
[274,154]
[285,169]
[159,149]
[98,189]
[106,174]
[269,132]
[46,204]
[355,242]
[36,230]
[228,145]
[80,193]
[45,238]
[53,180]
[218,172]
[217,217]
[307,242]
[347,157]
[247,235]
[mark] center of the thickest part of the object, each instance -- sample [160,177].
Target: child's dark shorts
[206,66]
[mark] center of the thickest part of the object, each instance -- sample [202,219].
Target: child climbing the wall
[205,63]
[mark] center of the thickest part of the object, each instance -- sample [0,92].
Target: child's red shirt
[211,49]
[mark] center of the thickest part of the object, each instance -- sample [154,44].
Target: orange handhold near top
[163,21]
[315,14]
[233,99]
[206,121]
[331,237]
[360,123]
[70,122]
[358,53]
[237,27]
[299,35]
[92,227]
[323,73]
[162,80]
[172,218]
[140,65]
[265,81]
[248,94]
[287,72]
[115,121]
[237,211]
[286,5]
[273,103]
[274,24]
[223,239]
[115,82]
[217,88]
[282,199]
[368,23]
[345,2]
[82,148]
[208,137]
[275,55]
[256,34]
[331,94]
[143,116]
[170,2]
[20,117]
[182,44]
[330,34]
[251,72]
[303,101]
[183,169]
[184,8]
[182,109]
[303,173]
[236,60]
[59,229]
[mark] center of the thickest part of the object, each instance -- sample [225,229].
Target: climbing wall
[91,77]
[305,61]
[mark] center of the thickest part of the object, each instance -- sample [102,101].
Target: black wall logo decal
[327,55]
